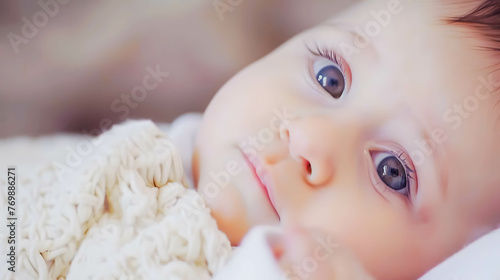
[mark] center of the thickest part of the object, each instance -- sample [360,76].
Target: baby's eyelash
[405,163]
[328,53]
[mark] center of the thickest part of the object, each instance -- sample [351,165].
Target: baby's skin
[378,128]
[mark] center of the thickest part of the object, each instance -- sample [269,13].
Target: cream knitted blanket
[121,212]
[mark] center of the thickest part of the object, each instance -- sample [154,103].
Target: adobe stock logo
[30,29]
[224,6]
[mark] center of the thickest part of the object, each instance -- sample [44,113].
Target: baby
[379,127]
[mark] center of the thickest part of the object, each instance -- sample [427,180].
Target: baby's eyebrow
[354,34]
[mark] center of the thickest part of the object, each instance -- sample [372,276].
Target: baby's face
[390,145]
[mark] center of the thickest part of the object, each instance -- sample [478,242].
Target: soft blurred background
[86,54]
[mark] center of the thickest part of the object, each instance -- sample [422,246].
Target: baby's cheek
[228,210]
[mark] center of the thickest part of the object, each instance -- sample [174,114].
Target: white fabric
[113,207]
[254,258]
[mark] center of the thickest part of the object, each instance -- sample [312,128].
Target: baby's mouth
[262,177]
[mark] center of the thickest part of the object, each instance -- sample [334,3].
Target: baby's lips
[277,248]
[289,247]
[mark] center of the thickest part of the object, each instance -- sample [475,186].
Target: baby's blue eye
[332,79]
[392,172]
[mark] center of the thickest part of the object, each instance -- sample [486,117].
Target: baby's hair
[486,19]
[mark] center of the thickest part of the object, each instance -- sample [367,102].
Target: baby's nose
[319,144]
[308,144]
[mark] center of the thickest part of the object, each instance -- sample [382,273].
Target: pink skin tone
[319,166]
[301,256]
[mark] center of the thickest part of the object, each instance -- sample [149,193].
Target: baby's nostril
[307,166]
[284,132]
